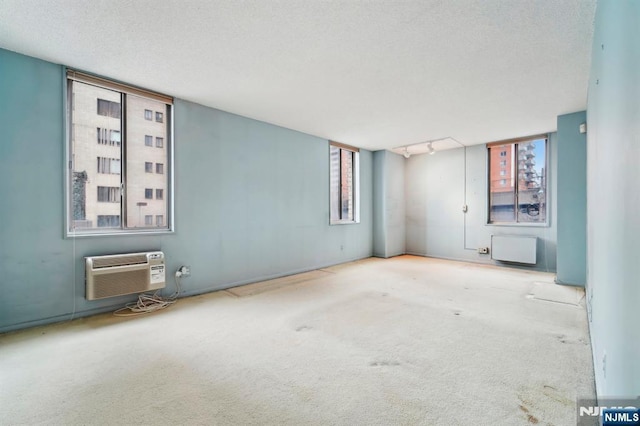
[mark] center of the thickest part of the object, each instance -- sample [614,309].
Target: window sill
[114,233]
[519,224]
[344,222]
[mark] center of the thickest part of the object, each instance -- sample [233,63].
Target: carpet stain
[532,419]
[556,395]
[384,363]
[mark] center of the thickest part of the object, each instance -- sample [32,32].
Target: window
[518,194]
[159,194]
[108,137]
[343,184]
[159,117]
[108,108]
[109,165]
[108,221]
[148,220]
[159,220]
[108,192]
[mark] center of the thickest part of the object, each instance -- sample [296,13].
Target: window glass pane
[141,181]
[92,207]
[346,185]
[334,182]
[501,186]
[531,181]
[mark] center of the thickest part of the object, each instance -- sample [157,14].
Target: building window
[109,108]
[503,163]
[108,194]
[109,165]
[159,142]
[108,137]
[159,220]
[108,221]
[148,220]
[158,117]
[107,187]
[159,194]
[343,183]
[519,193]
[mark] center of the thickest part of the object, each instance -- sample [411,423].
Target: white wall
[388,204]
[437,186]
[613,198]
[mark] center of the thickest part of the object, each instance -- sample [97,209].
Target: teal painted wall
[388,204]
[437,186]
[252,202]
[572,200]
[613,198]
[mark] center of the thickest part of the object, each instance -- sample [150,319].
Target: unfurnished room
[319,212]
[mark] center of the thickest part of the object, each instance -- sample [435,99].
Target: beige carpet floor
[401,341]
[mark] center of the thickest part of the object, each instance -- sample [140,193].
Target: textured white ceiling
[375,74]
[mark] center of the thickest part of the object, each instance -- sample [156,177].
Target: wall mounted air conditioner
[119,274]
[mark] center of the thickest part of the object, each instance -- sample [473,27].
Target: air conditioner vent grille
[110,261]
[120,283]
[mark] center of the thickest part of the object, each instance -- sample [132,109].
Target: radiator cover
[514,248]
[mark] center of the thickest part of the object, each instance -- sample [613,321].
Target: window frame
[547,199]
[356,183]
[71,75]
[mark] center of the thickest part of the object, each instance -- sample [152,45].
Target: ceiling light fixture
[430,149]
[406,152]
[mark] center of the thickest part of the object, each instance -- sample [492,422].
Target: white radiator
[514,248]
[115,275]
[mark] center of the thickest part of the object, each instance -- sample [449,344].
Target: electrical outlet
[185,271]
[483,250]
